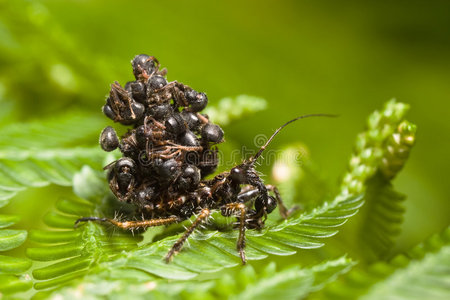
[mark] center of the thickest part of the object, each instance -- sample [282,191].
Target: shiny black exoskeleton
[122,178]
[144,66]
[108,139]
[120,107]
[168,151]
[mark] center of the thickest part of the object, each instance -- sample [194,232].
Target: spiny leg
[202,217]
[284,212]
[251,194]
[132,224]
[231,209]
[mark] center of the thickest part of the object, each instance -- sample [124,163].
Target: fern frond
[291,283]
[242,283]
[213,251]
[85,251]
[230,109]
[380,220]
[397,149]
[12,268]
[73,252]
[371,151]
[36,154]
[89,249]
[380,153]
[421,273]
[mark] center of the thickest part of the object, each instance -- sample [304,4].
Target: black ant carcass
[167,154]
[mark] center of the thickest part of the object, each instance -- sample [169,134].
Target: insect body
[167,153]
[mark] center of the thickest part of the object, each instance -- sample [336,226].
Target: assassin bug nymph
[157,172]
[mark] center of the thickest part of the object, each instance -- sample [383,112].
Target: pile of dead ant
[167,153]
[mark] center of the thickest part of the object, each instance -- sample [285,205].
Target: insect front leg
[131,225]
[239,210]
[202,217]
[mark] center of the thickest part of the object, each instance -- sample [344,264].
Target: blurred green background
[343,57]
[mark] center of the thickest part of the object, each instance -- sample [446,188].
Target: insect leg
[202,217]
[284,212]
[251,194]
[238,209]
[162,72]
[248,195]
[132,224]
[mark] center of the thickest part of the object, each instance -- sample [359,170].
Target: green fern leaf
[75,250]
[242,283]
[211,251]
[421,273]
[371,151]
[229,109]
[8,220]
[380,153]
[89,249]
[36,154]
[11,267]
[291,283]
[10,238]
[381,219]
[383,214]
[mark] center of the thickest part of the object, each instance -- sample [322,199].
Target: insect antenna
[261,150]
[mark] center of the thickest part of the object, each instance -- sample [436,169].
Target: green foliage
[11,268]
[90,249]
[291,283]
[59,57]
[242,283]
[230,109]
[382,219]
[34,46]
[102,261]
[72,252]
[421,273]
[372,149]
[38,153]
[380,152]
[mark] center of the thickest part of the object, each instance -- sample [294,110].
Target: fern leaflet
[36,154]
[421,273]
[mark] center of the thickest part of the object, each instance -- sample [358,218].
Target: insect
[167,153]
